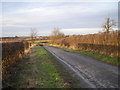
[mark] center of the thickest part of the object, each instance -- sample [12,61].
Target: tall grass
[104,43]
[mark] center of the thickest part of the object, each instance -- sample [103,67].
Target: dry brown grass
[104,43]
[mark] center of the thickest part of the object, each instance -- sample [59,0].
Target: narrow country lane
[91,73]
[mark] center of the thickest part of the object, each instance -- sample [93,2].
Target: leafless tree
[56,34]
[33,34]
[108,24]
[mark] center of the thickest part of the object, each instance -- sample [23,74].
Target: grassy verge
[40,70]
[48,76]
[101,57]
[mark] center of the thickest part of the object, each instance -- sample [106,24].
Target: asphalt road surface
[92,73]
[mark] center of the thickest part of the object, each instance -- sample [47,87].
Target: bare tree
[108,24]
[56,34]
[33,34]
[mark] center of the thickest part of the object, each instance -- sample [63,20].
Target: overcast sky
[71,17]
